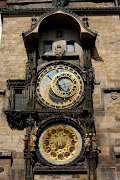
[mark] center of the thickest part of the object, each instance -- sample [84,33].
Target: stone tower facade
[59,90]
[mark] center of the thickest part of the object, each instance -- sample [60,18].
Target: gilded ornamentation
[60,143]
[70,78]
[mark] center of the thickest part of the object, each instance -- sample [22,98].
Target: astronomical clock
[54,102]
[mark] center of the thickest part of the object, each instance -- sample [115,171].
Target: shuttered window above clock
[70,46]
[48,46]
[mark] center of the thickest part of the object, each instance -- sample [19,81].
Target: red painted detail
[2,2]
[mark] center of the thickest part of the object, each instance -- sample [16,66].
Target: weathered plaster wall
[106,65]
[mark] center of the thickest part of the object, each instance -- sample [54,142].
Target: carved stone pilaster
[28,155]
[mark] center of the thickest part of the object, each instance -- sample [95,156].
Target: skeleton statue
[94,144]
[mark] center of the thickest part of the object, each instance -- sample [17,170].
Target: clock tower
[59,89]
[60,130]
[58,113]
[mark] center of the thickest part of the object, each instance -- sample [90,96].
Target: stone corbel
[3,92]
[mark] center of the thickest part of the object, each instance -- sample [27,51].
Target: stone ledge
[84,9]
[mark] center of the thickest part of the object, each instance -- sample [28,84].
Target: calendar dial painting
[60,144]
[59,86]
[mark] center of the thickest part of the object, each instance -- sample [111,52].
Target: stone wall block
[106,173]
[61,177]
[17,173]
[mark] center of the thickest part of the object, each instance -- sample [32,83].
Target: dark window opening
[18,99]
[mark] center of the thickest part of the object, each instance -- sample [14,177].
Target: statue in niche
[25,142]
[33,74]
[33,139]
[94,145]
[87,142]
[59,3]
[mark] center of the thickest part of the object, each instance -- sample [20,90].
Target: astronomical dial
[59,86]
[64,84]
